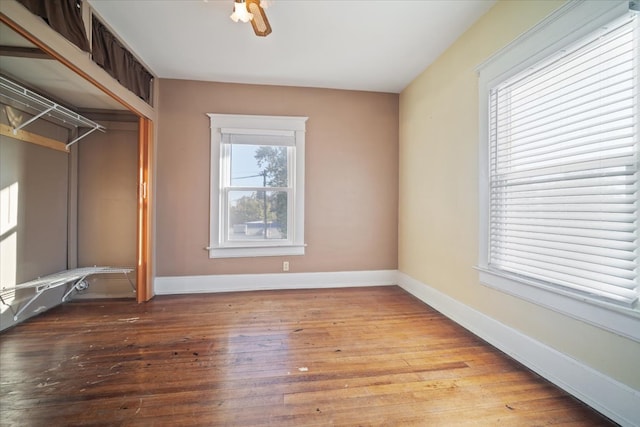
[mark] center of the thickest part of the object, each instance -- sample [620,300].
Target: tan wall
[438,210]
[107,204]
[42,177]
[36,243]
[351,176]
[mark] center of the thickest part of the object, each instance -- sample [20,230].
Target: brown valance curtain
[64,16]
[111,55]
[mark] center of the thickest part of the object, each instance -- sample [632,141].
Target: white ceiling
[373,45]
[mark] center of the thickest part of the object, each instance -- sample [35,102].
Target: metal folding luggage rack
[77,278]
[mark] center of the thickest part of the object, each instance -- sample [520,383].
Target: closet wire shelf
[42,106]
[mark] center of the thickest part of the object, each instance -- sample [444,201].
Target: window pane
[258,166]
[257,215]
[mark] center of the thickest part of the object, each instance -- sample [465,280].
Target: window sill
[255,251]
[624,321]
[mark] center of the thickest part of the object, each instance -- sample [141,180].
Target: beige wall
[351,176]
[107,205]
[438,209]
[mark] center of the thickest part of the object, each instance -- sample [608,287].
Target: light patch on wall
[8,208]
[8,242]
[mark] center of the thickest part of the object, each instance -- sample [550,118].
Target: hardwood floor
[349,357]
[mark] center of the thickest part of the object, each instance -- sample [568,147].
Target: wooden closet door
[144,285]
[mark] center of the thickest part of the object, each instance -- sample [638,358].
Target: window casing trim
[256,125]
[611,317]
[570,23]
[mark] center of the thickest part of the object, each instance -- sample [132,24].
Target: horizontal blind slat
[564,215]
[536,171]
[627,296]
[621,277]
[568,177]
[569,275]
[624,245]
[590,261]
[589,124]
[566,116]
[621,198]
[627,227]
[599,43]
[591,87]
[545,245]
[585,88]
[591,181]
[620,134]
[607,235]
[511,193]
[580,150]
[594,207]
[260,139]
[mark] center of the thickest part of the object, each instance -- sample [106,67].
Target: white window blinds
[563,168]
[258,137]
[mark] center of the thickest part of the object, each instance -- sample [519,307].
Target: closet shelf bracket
[83,135]
[31,120]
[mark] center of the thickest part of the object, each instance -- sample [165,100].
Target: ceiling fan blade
[260,23]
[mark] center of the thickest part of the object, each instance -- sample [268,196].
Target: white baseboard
[608,396]
[256,282]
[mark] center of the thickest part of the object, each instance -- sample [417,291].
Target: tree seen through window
[258,194]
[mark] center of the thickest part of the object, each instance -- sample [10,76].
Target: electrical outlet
[285,266]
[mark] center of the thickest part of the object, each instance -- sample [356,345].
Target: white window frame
[219,247]
[570,23]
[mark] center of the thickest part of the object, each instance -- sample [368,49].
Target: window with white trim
[257,186]
[560,195]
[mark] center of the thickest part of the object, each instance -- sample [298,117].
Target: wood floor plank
[341,357]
